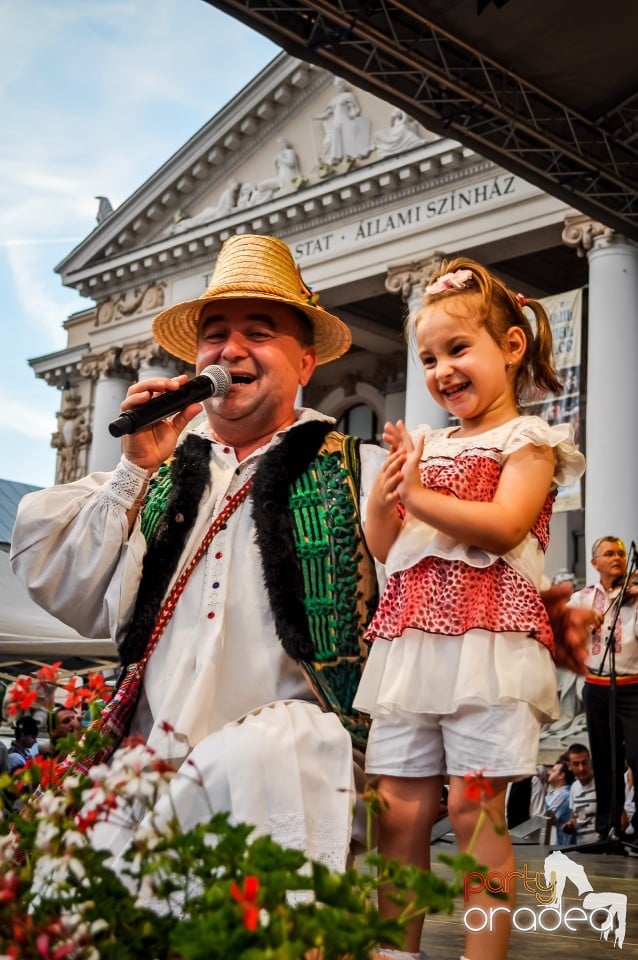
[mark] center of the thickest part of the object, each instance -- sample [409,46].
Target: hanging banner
[565,315]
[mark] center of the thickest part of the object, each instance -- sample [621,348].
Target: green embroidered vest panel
[340,588]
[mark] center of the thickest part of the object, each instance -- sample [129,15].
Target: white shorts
[500,739]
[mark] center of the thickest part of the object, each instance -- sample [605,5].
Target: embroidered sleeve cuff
[126,483]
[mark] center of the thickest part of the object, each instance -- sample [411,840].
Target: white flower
[94,797]
[99,772]
[136,758]
[8,846]
[71,782]
[46,834]
[52,805]
[52,875]
[148,834]
[145,786]
[74,840]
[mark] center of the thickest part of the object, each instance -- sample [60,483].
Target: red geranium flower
[247,900]
[79,696]
[74,698]
[22,695]
[478,786]
[98,688]
[9,887]
[50,673]
[84,821]
[48,770]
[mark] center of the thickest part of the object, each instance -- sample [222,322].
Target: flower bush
[212,891]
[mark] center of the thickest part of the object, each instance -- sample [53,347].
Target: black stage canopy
[546,88]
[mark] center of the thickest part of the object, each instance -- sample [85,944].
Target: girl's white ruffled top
[456,622]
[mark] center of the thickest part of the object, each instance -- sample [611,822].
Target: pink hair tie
[522,299]
[450,281]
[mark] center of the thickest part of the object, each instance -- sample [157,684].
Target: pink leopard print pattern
[450,597]
[474,475]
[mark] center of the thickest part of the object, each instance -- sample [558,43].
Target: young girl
[460,674]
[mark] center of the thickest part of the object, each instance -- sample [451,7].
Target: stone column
[111,381]
[409,281]
[611,504]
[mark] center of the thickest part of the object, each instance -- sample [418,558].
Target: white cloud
[43,304]
[101,95]
[22,418]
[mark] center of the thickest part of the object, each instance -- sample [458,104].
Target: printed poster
[565,315]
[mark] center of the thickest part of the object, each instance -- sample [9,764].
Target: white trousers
[286,769]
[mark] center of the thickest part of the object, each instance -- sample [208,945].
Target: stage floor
[611,874]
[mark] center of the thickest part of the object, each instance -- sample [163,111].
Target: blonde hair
[498,308]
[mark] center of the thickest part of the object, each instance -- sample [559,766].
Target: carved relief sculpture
[130,302]
[72,437]
[402,134]
[105,313]
[244,200]
[153,297]
[289,176]
[133,301]
[346,132]
[225,205]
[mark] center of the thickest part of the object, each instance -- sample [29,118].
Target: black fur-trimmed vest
[317,571]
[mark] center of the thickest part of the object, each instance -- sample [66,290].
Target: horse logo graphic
[559,869]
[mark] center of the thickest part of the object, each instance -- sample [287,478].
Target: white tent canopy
[30,637]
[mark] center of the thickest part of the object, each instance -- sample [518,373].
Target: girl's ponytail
[540,369]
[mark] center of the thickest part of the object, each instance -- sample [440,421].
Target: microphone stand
[613,844]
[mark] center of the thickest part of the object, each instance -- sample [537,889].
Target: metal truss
[393,50]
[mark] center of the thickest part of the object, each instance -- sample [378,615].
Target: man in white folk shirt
[609,559]
[257,667]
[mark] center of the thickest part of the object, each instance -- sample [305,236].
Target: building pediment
[201,160]
[296,144]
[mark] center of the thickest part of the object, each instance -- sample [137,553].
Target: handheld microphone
[213,381]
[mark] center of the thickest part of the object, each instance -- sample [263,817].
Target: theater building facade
[369,202]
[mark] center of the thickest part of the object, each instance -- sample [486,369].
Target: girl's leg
[405,826]
[494,850]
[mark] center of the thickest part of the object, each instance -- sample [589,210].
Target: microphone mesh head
[219,377]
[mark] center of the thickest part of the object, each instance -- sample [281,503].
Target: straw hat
[257,267]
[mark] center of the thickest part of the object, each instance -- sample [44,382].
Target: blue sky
[94,96]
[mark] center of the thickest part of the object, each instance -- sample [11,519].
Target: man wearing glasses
[609,558]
